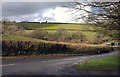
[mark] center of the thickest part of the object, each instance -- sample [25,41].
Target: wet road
[52,66]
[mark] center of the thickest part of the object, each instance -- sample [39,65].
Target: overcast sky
[37,11]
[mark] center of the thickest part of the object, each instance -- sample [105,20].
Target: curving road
[52,66]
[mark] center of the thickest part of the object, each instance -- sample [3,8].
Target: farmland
[53,27]
[89,34]
[60,38]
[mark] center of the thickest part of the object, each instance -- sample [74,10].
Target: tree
[104,15]
[38,33]
[5,22]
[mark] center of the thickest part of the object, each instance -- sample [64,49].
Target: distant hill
[54,25]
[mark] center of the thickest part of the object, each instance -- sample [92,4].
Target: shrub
[52,37]
[60,35]
[9,29]
[99,38]
[38,33]
[79,37]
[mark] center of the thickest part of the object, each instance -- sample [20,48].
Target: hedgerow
[17,48]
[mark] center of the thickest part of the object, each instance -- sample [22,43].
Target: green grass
[12,37]
[109,63]
[28,31]
[22,38]
[55,26]
[89,34]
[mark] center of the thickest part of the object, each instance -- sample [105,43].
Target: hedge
[17,48]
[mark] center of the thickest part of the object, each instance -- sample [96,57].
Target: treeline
[17,48]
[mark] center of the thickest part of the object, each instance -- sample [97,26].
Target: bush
[52,37]
[60,35]
[63,35]
[38,33]
[99,38]
[79,37]
[9,29]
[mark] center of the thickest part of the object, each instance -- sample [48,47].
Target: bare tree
[104,15]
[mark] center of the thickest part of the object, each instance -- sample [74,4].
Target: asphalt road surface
[52,66]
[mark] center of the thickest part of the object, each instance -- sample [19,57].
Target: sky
[39,12]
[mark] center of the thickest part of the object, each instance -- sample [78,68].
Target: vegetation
[9,28]
[55,26]
[38,33]
[69,29]
[110,63]
[16,48]
[13,37]
[61,33]
[61,36]
[89,34]
[103,15]
[27,31]
[21,41]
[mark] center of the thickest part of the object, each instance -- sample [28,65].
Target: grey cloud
[26,8]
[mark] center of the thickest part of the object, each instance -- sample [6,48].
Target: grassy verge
[109,63]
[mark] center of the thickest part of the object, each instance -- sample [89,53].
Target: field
[89,34]
[11,37]
[88,30]
[20,44]
[53,27]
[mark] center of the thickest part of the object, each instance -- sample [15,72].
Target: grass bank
[109,63]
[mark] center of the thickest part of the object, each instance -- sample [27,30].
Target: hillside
[55,26]
[88,30]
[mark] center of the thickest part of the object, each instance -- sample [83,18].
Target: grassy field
[11,37]
[28,31]
[55,26]
[71,28]
[109,63]
[89,34]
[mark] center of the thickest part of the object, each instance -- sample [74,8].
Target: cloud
[39,11]
[63,14]
[25,8]
[58,14]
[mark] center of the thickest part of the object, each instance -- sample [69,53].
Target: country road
[52,66]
